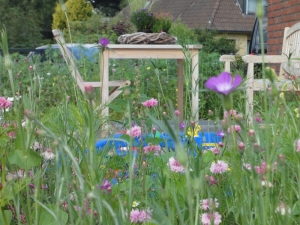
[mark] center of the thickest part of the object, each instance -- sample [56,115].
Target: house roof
[220,15]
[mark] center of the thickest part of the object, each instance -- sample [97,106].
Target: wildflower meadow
[63,163]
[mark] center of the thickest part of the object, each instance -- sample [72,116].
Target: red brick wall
[281,14]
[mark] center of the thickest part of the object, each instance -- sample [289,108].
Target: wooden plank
[146,46]
[293,29]
[146,54]
[69,59]
[249,93]
[266,59]
[287,84]
[195,85]
[227,59]
[112,83]
[180,89]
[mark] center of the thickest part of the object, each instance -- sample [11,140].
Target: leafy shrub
[143,20]
[77,10]
[184,34]
[213,43]
[163,22]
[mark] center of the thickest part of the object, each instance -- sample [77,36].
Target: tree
[23,27]
[76,10]
[108,8]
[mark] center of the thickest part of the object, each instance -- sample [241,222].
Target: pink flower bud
[89,91]
[177,112]
[251,132]
[29,114]
[241,146]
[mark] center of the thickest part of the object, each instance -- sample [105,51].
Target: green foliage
[76,10]
[109,8]
[26,21]
[22,30]
[143,20]
[94,28]
[135,5]
[184,34]
[163,22]
[212,42]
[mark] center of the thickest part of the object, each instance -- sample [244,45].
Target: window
[251,6]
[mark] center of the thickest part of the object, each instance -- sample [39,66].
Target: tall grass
[52,171]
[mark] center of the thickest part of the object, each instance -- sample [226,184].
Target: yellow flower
[228,169]
[135,204]
[197,129]
[102,167]
[148,68]
[281,95]
[164,69]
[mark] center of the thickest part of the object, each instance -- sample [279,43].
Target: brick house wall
[281,14]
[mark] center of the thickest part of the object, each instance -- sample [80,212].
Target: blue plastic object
[205,140]
[210,140]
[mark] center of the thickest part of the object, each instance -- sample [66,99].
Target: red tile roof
[221,15]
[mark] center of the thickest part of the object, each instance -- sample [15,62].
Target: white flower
[283,209]
[266,183]
[48,154]
[48,74]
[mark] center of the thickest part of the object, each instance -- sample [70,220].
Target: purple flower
[104,42]
[181,126]
[220,133]
[223,84]
[106,186]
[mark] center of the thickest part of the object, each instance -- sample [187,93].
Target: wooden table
[130,51]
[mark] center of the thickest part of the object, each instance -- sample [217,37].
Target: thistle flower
[175,166]
[4,103]
[134,132]
[208,218]
[104,42]
[219,167]
[209,203]
[150,103]
[140,216]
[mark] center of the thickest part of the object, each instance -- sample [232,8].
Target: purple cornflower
[224,83]
[106,186]
[220,133]
[104,42]
[181,126]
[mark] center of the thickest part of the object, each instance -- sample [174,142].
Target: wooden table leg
[180,89]
[195,85]
[105,87]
